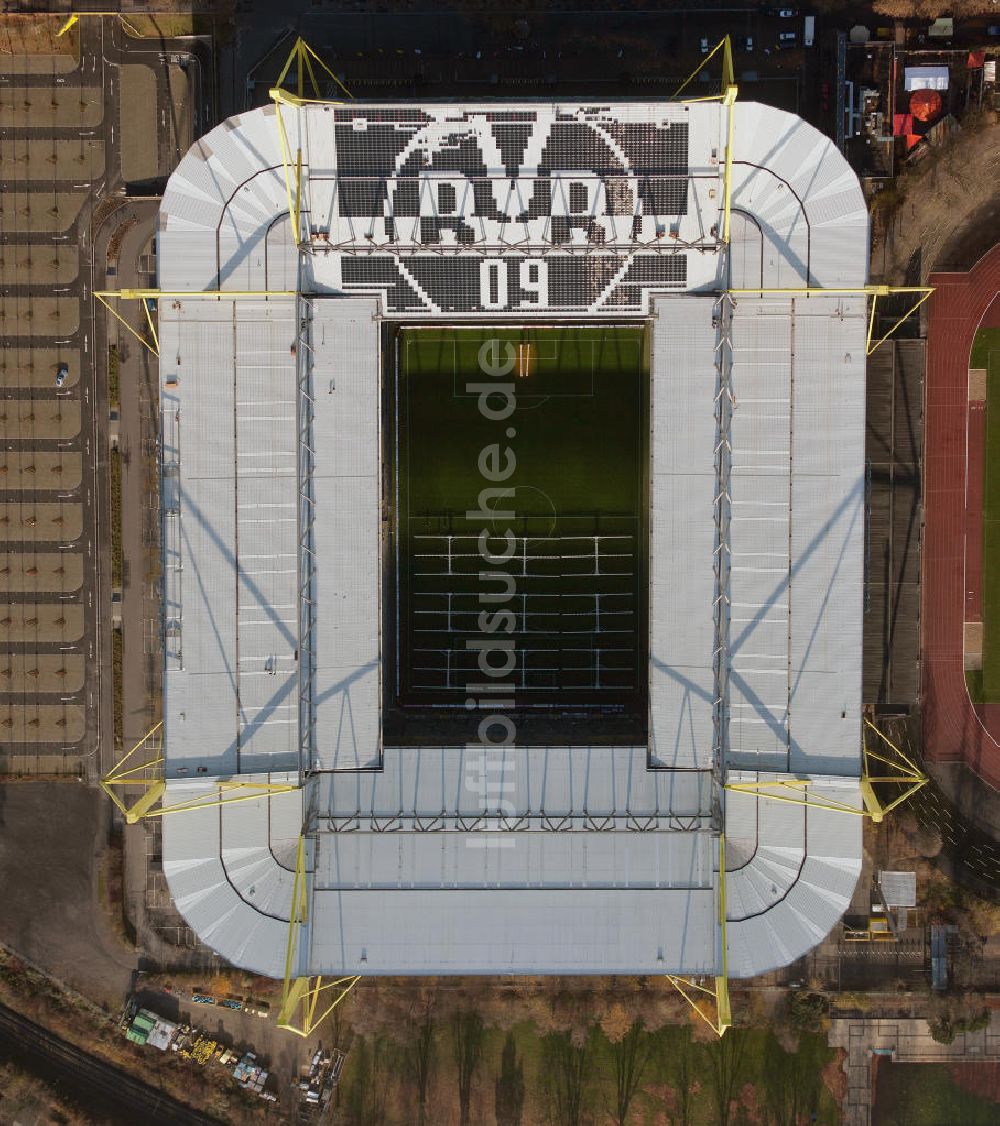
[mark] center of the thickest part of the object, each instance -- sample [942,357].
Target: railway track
[93,1084]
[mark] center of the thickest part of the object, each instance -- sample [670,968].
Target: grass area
[986,354]
[117,668]
[923,1094]
[974,684]
[114,364]
[115,477]
[558,435]
[31,34]
[621,1073]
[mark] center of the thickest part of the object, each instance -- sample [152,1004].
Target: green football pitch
[572,527]
[984,686]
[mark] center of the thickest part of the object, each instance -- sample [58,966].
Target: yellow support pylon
[725,46]
[908,775]
[149,777]
[300,998]
[795,791]
[145,296]
[692,990]
[872,291]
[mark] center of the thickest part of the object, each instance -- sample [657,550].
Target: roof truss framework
[379,837]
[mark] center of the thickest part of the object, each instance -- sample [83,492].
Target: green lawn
[662,1076]
[986,354]
[573,451]
[922,1094]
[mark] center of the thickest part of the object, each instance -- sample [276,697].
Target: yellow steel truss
[796,791]
[103,295]
[301,995]
[872,291]
[303,57]
[728,81]
[907,774]
[148,776]
[146,296]
[691,988]
[694,993]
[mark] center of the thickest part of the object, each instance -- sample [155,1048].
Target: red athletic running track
[953,728]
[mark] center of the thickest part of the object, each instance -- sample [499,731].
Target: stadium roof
[598,859]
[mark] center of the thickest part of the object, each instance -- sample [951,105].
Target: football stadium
[513,525]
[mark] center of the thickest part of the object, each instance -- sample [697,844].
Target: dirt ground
[937,197]
[62,107]
[137,121]
[50,834]
[31,673]
[38,264]
[23,36]
[42,621]
[26,420]
[28,159]
[37,367]
[61,523]
[41,572]
[40,316]
[39,469]
[40,212]
[40,723]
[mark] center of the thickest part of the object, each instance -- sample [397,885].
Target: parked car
[704,46]
[748,43]
[62,374]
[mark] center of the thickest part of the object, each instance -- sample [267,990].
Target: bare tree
[509,1104]
[365,1104]
[420,1062]
[568,1076]
[467,1041]
[726,1069]
[631,1055]
[675,1044]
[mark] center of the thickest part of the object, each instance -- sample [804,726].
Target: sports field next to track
[985,687]
[564,428]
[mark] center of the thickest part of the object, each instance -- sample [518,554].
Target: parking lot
[52,163]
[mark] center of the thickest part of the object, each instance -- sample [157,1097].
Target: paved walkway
[953,729]
[908,1041]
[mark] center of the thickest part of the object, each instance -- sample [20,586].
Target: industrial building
[293,240]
